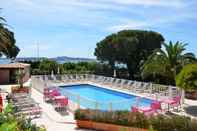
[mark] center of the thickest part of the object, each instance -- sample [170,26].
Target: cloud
[89,20]
[175,3]
[130,25]
[99,14]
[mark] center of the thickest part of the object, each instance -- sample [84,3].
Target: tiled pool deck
[52,120]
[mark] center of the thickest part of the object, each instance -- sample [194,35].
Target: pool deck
[189,108]
[51,119]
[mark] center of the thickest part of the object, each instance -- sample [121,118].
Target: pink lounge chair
[54,93]
[61,100]
[61,103]
[148,111]
[173,102]
[51,94]
[134,109]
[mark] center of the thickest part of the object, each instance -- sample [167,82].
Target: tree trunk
[112,64]
[130,70]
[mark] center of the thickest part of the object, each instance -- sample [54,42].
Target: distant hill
[62,59]
[59,59]
[29,58]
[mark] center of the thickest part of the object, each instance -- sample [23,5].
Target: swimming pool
[94,97]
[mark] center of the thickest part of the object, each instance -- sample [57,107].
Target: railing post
[182,92]
[78,101]
[96,105]
[110,106]
[170,91]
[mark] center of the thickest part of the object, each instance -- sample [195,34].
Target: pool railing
[148,89]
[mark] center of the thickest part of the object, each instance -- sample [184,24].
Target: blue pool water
[94,97]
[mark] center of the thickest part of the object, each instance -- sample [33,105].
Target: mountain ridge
[59,59]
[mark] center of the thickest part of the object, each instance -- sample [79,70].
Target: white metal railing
[157,90]
[129,85]
[82,102]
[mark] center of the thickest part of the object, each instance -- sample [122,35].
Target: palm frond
[169,60]
[2,19]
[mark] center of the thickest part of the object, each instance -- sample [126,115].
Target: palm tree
[2,24]
[7,42]
[2,20]
[168,62]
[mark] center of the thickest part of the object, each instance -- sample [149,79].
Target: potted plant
[113,121]
[20,88]
[129,121]
[82,120]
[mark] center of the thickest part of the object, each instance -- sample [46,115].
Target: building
[9,72]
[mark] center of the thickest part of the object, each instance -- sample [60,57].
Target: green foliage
[9,126]
[150,128]
[7,41]
[26,125]
[130,47]
[164,64]
[8,122]
[173,123]
[3,118]
[187,78]
[7,115]
[9,109]
[126,118]
[47,66]
[80,115]
[19,76]
[79,67]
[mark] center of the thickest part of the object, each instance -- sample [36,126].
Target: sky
[73,27]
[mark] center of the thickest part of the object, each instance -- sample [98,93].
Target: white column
[170,91]
[182,96]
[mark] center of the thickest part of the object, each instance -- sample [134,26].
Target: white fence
[150,90]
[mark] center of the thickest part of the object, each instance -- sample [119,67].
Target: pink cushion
[134,109]
[145,109]
[169,101]
[59,97]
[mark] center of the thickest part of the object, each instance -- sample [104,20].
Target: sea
[4,61]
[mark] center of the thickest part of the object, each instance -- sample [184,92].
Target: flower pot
[100,126]
[16,89]
[105,126]
[84,124]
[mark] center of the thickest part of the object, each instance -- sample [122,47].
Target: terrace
[63,118]
[141,89]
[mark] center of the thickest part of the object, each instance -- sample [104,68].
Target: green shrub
[3,118]
[150,128]
[173,123]
[9,122]
[126,118]
[186,79]
[9,109]
[81,115]
[8,126]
